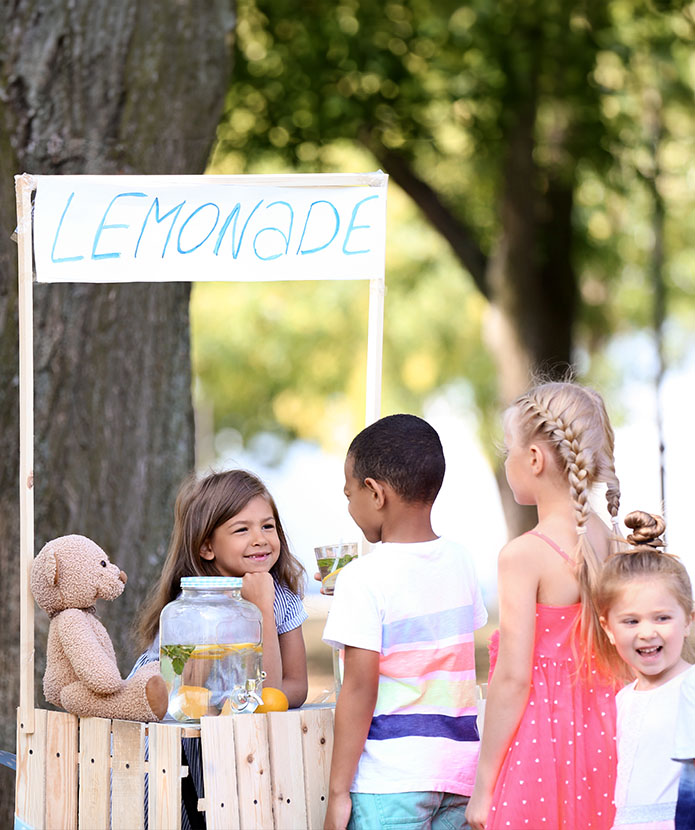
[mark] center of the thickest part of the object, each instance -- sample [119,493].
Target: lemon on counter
[274,700]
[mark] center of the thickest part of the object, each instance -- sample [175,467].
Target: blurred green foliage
[290,357]
[332,85]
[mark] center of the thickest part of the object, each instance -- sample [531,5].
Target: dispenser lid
[206,582]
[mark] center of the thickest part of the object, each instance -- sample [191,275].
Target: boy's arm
[353,717]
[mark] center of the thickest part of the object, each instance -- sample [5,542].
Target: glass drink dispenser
[210,649]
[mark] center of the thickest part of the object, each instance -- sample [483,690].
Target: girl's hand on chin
[259,588]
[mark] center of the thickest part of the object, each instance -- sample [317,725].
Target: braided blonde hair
[572,420]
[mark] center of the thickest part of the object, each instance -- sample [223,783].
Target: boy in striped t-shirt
[406,742]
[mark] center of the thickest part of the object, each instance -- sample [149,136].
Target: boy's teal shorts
[422,810]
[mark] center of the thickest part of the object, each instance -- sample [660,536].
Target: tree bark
[532,283]
[533,288]
[92,86]
[528,279]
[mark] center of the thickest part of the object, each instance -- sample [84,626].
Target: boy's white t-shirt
[646,788]
[418,606]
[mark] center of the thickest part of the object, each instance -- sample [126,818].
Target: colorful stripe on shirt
[442,625]
[415,662]
[427,669]
[440,695]
[384,727]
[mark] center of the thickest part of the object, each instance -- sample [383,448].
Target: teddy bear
[67,577]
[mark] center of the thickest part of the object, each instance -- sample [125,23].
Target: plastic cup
[331,559]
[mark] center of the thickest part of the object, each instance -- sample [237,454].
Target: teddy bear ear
[45,567]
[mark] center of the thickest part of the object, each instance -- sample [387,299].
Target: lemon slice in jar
[190,703]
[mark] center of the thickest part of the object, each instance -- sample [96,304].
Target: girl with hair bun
[645,602]
[548,750]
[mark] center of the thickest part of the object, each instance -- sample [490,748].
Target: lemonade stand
[260,770]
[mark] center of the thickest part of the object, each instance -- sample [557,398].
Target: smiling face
[246,543]
[647,625]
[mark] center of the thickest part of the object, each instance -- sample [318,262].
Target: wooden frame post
[375,341]
[24,186]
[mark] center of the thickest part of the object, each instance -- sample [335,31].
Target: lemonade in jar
[210,650]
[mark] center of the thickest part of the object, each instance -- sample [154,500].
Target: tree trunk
[93,86]
[528,280]
[533,287]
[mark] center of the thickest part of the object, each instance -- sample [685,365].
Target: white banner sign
[178,228]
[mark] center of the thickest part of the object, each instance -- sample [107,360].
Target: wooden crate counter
[260,772]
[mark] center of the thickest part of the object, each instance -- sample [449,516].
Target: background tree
[99,87]
[502,124]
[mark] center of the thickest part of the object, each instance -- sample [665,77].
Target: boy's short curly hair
[405,452]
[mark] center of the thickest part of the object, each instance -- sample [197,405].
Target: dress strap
[549,541]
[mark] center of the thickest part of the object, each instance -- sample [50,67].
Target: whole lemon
[274,700]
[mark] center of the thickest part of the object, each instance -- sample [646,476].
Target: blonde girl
[645,602]
[227,524]
[547,754]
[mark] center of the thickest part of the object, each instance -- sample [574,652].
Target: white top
[684,744]
[417,605]
[646,788]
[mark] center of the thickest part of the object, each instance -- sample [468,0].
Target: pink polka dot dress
[559,772]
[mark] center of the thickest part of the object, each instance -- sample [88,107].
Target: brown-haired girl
[547,756]
[227,524]
[645,602]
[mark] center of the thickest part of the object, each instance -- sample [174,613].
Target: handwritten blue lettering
[286,237]
[352,227]
[230,226]
[223,230]
[54,258]
[103,226]
[306,222]
[207,236]
[155,207]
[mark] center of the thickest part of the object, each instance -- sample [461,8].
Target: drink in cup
[331,559]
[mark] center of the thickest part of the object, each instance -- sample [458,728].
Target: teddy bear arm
[59,672]
[91,656]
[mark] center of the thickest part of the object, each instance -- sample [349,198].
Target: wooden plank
[317,746]
[219,773]
[375,346]
[164,777]
[24,186]
[374,179]
[30,781]
[95,768]
[61,770]
[128,776]
[287,768]
[253,772]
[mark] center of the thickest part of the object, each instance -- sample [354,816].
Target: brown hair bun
[646,529]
